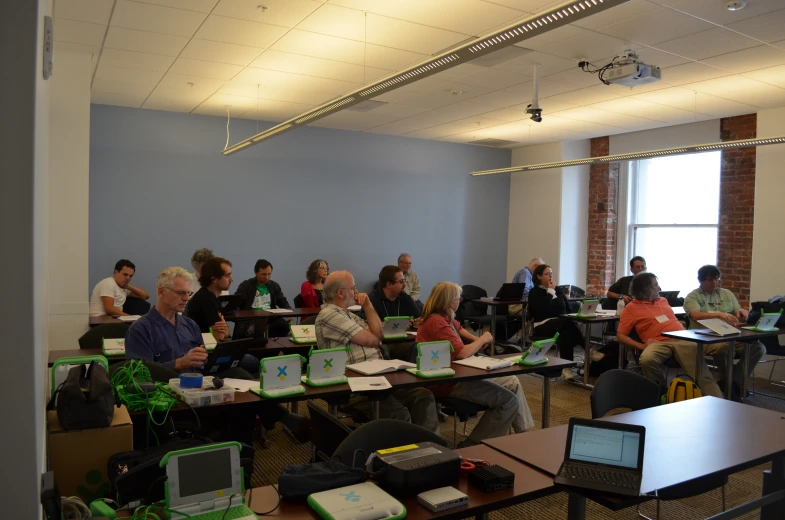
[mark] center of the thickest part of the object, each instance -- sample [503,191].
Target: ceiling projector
[627,70]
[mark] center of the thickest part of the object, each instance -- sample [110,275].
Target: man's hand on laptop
[194,358]
[730,319]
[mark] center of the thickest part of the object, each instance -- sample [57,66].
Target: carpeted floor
[566,401]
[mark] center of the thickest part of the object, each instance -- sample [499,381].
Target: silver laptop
[717,327]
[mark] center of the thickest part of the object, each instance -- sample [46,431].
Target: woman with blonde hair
[502,395]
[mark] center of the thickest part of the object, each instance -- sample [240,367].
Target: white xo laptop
[303,334]
[209,341]
[588,309]
[280,376]
[364,501]
[113,346]
[535,355]
[717,327]
[326,367]
[395,327]
[433,360]
[206,483]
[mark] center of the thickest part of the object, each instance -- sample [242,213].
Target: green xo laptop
[395,327]
[767,322]
[326,367]
[206,483]
[433,360]
[535,355]
[303,334]
[280,377]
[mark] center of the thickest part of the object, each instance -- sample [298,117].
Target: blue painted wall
[159,189]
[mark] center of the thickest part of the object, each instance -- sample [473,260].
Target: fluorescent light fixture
[535,25]
[697,148]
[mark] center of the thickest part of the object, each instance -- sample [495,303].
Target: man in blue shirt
[524,276]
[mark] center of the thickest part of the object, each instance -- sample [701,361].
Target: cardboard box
[79,457]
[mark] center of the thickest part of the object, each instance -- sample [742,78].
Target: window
[673,216]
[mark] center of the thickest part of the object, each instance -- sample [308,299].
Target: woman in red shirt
[503,395]
[311,289]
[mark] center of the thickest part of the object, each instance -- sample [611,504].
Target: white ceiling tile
[518,112]
[645,109]
[592,115]
[220,52]
[162,99]
[290,95]
[591,46]
[743,89]
[286,13]
[528,6]
[547,88]
[202,6]
[749,59]
[657,26]
[658,58]
[773,76]
[154,18]
[715,11]
[147,78]
[147,42]
[310,66]
[136,60]
[275,79]
[391,59]
[189,86]
[95,50]
[441,97]
[501,99]
[250,108]
[617,14]
[205,69]
[322,46]
[574,77]
[587,96]
[355,121]
[276,111]
[541,41]
[91,11]
[237,104]
[337,21]
[549,64]
[493,79]
[709,43]
[239,32]
[388,32]
[79,32]
[134,90]
[690,73]
[456,127]
[767,28]
[692,101]
[113,98]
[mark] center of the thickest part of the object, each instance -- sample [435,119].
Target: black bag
[136,478]
[298,481]
[85,399]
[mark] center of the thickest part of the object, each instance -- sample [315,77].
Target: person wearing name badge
[712,301]
[109,295]
[337,327]
[547,303]
[391,300]
[198,259]
[412,281]
[503,395]
[622,288]
[649,315]
[311,289]
[260,293]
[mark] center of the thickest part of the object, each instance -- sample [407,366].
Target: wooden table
[530,484]
[746,336]
[493,303]
[684,441]
[94,321]
[299,312]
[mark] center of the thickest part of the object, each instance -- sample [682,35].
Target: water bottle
[620,306]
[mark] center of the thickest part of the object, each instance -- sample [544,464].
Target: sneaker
[596,355]
[566,374]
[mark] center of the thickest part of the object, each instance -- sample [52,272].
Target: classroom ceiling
[273,59]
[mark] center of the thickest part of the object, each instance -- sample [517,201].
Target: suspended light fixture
[697,148]
[564,14]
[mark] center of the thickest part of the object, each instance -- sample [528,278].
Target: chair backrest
[381,434]
[469,308]
[310,320]
[298,301]
[93,338]
[622,389]
[327,432]
[136,306]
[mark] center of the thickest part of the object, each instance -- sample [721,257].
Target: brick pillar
[603,190]
[737,203]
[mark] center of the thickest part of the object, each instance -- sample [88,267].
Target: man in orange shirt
[650,316]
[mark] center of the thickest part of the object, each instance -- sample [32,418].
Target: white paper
[354,308]
[279,311]
[132,317]
[411,332]
[606,313]
[380,366]
[484,363]
[241,385]
[359,384]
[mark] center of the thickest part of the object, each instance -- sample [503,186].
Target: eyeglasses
[181,294]
[402,282]
[353,289]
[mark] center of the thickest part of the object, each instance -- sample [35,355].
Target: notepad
[354,308]
[380,366]
[279,311]
[364,384]
[132,317]
[484,363]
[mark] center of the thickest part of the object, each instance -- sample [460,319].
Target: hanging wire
[228,118]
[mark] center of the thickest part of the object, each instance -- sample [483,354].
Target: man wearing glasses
[391,298]
[337,327]
[412,282]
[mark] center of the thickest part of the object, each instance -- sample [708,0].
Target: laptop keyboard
[608,476]
[114,352]
[331,379]
[234,513]
[280,391]
[439,372]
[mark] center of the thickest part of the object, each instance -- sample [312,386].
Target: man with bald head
[524,276]
[336,327]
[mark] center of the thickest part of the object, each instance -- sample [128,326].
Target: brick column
[737,203]
[603,190]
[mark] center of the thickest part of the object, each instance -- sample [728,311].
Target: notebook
[433,360]
[303,334]
[326,367]
[717,327]
[380,366]
[535,355]
[484,362]
[131,317]
[767,322]
[206,483]
[604,456]
[588,309]
[113,346]
[280,376]
[394,327]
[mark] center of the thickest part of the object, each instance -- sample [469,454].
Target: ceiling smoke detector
[735,5]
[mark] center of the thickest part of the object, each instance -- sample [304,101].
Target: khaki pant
[757,351]
[655,355]
[414,405]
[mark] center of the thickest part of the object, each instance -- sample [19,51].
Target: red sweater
[437,328]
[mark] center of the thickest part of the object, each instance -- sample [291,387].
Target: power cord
[74,507]
[585,66]
[277,504]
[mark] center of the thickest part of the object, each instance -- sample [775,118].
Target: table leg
[773,481]
[332,409]
[546,401]
[374,409]
[493,330]
[699,363]
[621,356]
[731,350]
[587,354]
[745,367]
[576,507]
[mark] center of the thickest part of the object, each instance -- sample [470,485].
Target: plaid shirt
[335,327]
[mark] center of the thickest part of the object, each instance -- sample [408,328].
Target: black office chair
[623,389]
[327,432]
[298,301]
[378,435]
[462,411]
[93,338]
[136,306]
[476,313]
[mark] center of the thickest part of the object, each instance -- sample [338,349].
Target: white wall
[573,250]
[666,137]
[768,244]
[24,164]
[69,184]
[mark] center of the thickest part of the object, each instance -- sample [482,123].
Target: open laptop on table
[511,291]
[280,376]
[303,334]
[603,456]
[116,346]
[395,327]
[433,360]
[326,367]
[717,327]
[206,483]
[226,355]
[767,322]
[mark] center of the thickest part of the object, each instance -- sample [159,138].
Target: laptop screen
[603,446]
[204,472]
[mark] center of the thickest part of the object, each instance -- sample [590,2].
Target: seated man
[260,294]
[337,327]
[650,316]
[110,293]
[623,286]
[204,307]
[391,300]
[524,276]
[412,282]
[711,301]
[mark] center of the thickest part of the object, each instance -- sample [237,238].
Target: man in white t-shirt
[198,259]
[110,293]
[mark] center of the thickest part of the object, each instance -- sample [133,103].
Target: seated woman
[546,305]
[503,395]
[311,289]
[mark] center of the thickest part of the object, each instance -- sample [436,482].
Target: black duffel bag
[85,399]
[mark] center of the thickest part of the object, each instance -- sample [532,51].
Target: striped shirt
[336,326]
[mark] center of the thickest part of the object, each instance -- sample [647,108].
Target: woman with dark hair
[311,289]
[546,305]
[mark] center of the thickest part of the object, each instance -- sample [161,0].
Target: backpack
[85,399]
[681,390]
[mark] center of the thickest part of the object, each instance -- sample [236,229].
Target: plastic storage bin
[202,396]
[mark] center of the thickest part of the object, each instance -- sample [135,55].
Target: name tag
[662,318]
